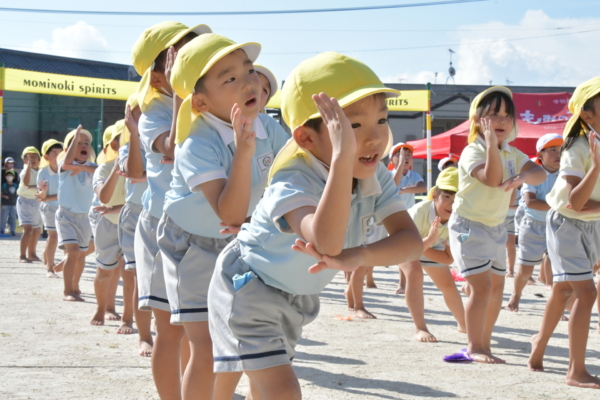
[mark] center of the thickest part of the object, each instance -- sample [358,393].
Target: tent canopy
[537,114]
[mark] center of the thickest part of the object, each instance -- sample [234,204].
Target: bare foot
[513,303]
[510,274]
[371,284]
[584,380]
[486,358]
[425,337]
[549,287]
[145,349]
[72,297]
[24,260]
[531,281]
[535,362]
[401,290]
[363,314]
[564,318]
[59,267]
[77,291]
[51,274]
[461,329]
[35,258]
[112,315]
[126,328]
[98,318]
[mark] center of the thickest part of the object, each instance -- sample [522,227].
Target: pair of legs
[29,242]
[106,283]
[170,356]
[49,252]
[443,280]
[585,296]
[481,312]
[354,293]
[126,327]
[511,253]
[8,215]
[143,320]
[275,383]
[73,266]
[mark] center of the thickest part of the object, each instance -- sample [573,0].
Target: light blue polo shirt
[46,174]
[133,191]
[540,192]
[155,121]
[207,155]
[410,179]
[75,192]
[267,240]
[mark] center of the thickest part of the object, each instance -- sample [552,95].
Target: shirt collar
[504,146]
[225,129]
[367,187]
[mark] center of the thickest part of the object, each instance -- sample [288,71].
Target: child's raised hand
[130,123]
[244,137]
[343,140]
[434,231]
[43,186]
[489,135]
[594,150]
[171,55]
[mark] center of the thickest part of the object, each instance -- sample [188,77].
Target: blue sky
[490,38]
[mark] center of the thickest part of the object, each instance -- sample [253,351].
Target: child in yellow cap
[431,218]
[75,195]
[489,170]
[47,184]
[132,162]
[327,189]
[28,208]
[109,197]
[532,229]
[224,151]
[573,234]
[153,55]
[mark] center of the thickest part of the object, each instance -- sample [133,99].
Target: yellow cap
[45,147]
[69,139]
[582,93]
[193,61]
[337,75]
[150,44]
[110,134]
[30,149]
[473,110]
[270,77]
[446,180]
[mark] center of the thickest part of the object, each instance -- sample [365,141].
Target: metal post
[428,122]
[1,111]
[100,128]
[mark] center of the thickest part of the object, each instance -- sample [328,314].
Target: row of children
[240,301]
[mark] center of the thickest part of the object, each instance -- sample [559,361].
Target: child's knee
[587,295]
[103,275]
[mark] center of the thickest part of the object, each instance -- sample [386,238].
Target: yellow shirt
[118,196]
[23,190]
[575,161]
[476,201]
[423,214]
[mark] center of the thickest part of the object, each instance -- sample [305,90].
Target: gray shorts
[48,213]
[427,262]
[573,247]
[532,241]
[149,267]
[28,211]
[519,217]
[256,327]
[106,241]
[509,224]
[73,228]
[128,218]
[476,247]
[188,264]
